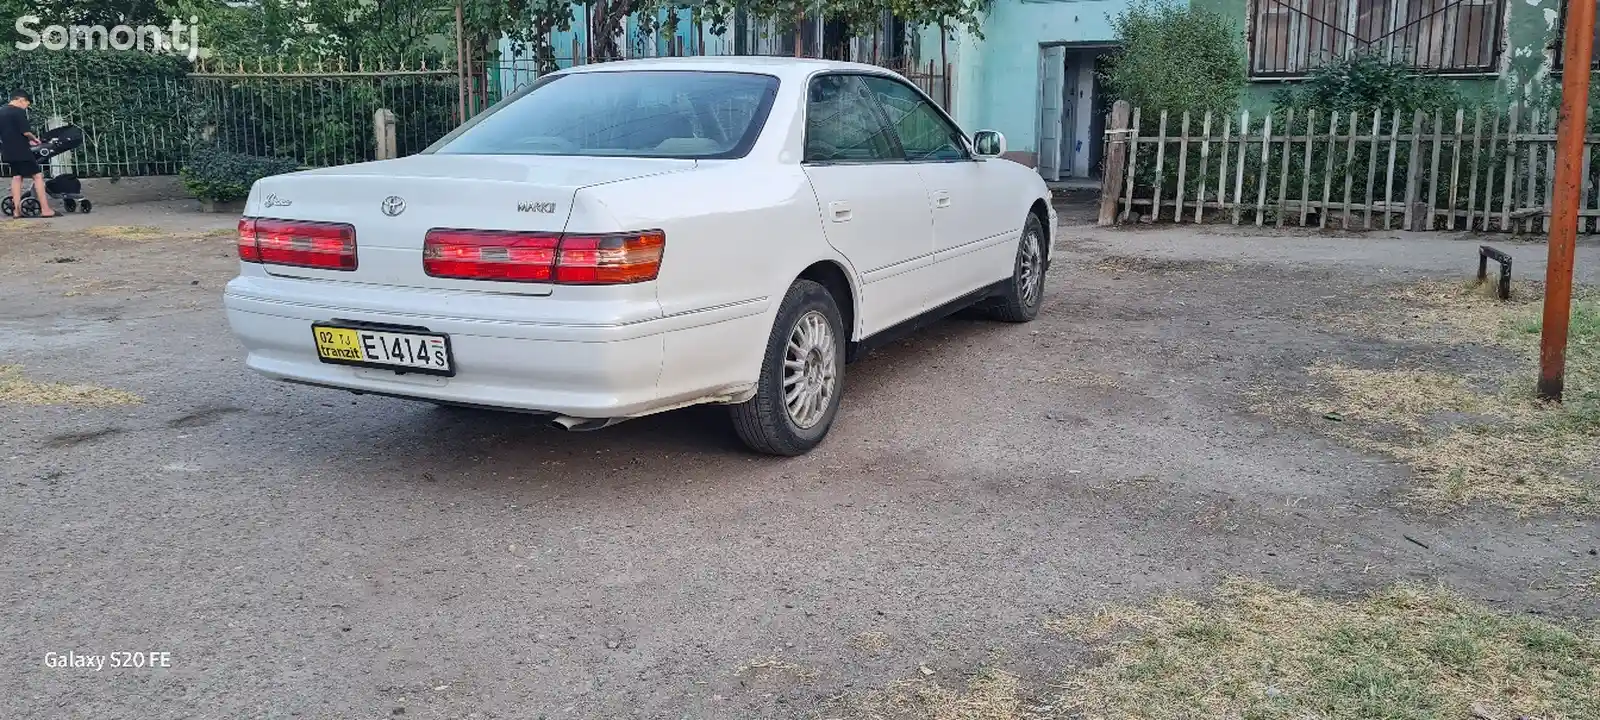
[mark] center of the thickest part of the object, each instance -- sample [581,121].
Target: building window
[1290,37]
[1559,45]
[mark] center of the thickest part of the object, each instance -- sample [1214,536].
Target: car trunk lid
[392,205]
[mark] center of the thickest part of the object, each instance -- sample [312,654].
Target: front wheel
[1019,301]
[802,376]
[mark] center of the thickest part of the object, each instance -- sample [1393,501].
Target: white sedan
[626,238]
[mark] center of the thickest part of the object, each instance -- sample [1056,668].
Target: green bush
[129,105]
[222,176]
[1368,81]
[1176,57]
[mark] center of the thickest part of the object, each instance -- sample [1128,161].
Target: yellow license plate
[388,349]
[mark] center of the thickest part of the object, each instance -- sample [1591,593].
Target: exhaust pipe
[573,424]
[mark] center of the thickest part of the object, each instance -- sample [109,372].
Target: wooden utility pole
[1576,48]
[1116,166]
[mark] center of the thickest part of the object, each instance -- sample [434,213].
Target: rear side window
[843,124]
[666,113]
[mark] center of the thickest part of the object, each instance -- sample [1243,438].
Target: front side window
[678,114]
[924,133]
[842,125]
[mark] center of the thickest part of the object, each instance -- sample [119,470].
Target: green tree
[1176,57]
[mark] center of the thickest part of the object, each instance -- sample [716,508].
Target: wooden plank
[1133,164]
[1266,161]
[1583,224]
[1205,161]
[1327,170]
[1413,171]
[1222,174]
[1183,167]
[1455,169]
[1116,163]
[1161,156]
[1372,162]
[1283,172]
[1388,183]
[1488,181]
[1305,167]
[1349,169]
[1433,172]
[1472,183]
[1508,196]
[1532,173]
[1238,179]
[1549,175]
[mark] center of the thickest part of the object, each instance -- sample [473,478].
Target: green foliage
[222,176]
[129,105]
[1368,81]
[1176,58]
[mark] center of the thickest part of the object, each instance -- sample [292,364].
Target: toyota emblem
[394,205]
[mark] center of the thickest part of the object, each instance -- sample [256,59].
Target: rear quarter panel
[738,233]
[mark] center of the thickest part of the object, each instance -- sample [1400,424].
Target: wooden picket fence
[1481,169]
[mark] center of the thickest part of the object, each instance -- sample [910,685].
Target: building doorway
[1072,111]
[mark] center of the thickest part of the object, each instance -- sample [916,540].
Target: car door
[874,207]
[971,230]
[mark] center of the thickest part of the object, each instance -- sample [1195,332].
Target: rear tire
[8,207]
[1019,302]
[802,376]
[69,205]
[30,207]
[84,206]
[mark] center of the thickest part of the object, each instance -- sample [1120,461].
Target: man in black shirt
[16,150]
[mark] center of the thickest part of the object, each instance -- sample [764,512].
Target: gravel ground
[309,553]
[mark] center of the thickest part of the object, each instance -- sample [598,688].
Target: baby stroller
[64,187]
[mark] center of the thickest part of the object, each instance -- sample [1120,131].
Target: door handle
[941,198]
[840,211]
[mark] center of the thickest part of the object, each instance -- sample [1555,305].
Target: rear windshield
[656,113]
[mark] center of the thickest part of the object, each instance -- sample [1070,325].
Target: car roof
[783,67]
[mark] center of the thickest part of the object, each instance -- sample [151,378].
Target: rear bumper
[594,370]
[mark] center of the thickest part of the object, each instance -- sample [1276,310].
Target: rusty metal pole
[1577,48]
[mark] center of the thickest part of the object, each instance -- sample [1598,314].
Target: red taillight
[543,257]
[489,255]
[247,241]
[300,243]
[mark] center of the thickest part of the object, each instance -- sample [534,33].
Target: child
[16,150]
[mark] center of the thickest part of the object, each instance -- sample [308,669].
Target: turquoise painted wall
[1007,96]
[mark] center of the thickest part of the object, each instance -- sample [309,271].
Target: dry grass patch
[990,695]
[1482,440]
[17,389]
[1446,312]
[152,233]
[136,233]
[1134,264]
[872,641]
[1253,651]
[1465,446]
[1403,398]
[771,666]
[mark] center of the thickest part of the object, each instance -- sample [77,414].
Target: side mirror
[988,143]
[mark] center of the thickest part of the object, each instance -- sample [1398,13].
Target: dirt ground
[309,553]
